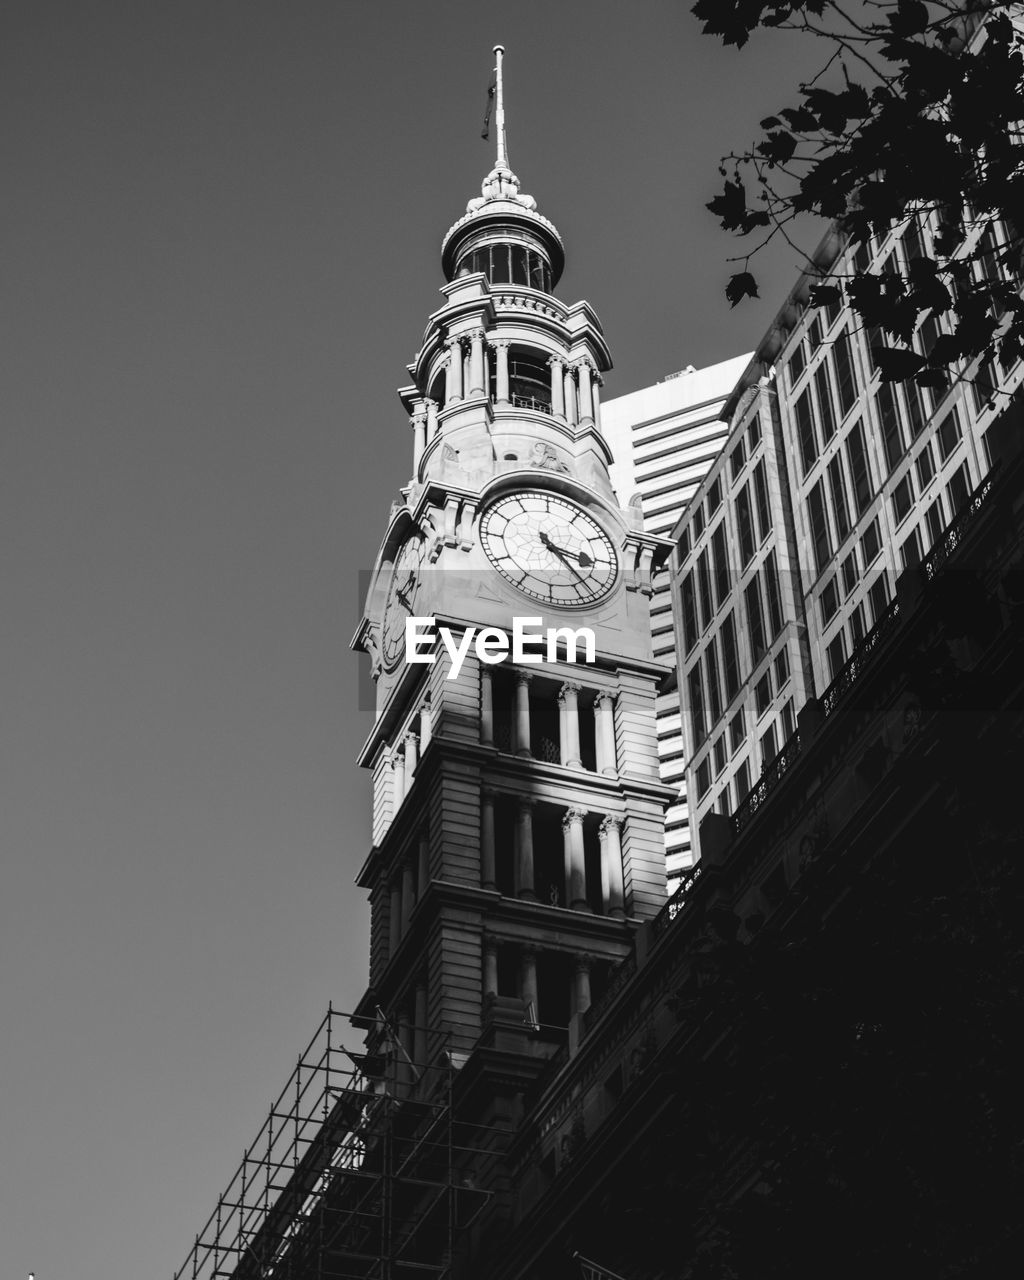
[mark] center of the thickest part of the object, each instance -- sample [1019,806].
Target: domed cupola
[502,234]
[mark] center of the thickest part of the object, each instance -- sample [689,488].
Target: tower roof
[501,205]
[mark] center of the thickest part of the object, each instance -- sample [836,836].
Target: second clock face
[550,548]
[402,584]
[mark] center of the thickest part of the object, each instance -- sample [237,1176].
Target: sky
[220,236]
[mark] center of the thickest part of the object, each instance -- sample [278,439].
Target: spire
[503,215]
[499,108]
[501,183]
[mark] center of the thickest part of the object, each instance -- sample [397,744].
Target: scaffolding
[360,1171]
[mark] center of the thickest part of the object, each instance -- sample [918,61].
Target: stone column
[394,916]
[419,1031]
[488,869]
[595,397]
[586,398]
[408,892]
[490,968]
[453,381]
[419,434]
[411,758]
[604,733]
[398,770]
[422,867]
[476,362]
[486,707]
[425,725]
[431,420]
[563,733]
[575,863]
[568,697]
[581,984]
[528,979]
[501,371]
[610,832]
[524,850]
[570,396]
[523,679]
[557,386]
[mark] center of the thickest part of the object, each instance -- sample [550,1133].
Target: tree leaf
[731,206]
[910,18]
[824,295]
[778,147]
[896,364]
[741,285]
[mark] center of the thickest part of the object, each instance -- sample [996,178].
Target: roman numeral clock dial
[549,548]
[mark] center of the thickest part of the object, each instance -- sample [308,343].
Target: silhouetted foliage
[911,123]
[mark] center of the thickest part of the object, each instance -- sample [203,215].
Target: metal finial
[499,107]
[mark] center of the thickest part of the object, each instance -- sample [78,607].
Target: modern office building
[854,481]
[663,439]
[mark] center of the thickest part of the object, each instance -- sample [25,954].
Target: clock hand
[563,557]
[584,560]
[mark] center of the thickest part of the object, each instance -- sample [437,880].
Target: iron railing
[771,776]
[860,658]
[530,402]
[677,901]
[954,533]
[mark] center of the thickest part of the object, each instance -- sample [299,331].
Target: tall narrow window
[742,783]
[805,430]
[714,686]
[721,558]
[846,379]
[730,658]
[910,552]
[755,621]
[819,527]
[959,488]
[836,656]
[936,520]
[737,459]
[764,511]
[915,409]
[949,433]
[771,590]
[837,486]
[983,385]
[879,596]
[689,602]
[824,393]
[892,431]
[704,587]
[746,524]
[856,456]
[796,363]
[697,707]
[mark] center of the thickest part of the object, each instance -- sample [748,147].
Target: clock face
[550,548]
[404,579]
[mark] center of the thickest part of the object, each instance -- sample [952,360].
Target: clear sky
[220,233]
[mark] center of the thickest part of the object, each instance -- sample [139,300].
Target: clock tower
[518,828]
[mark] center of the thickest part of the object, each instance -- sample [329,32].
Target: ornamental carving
[544,457]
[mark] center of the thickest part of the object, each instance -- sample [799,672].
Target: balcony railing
[770,778]
[530,402]
[860,658]
[954,533]
[677,901]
